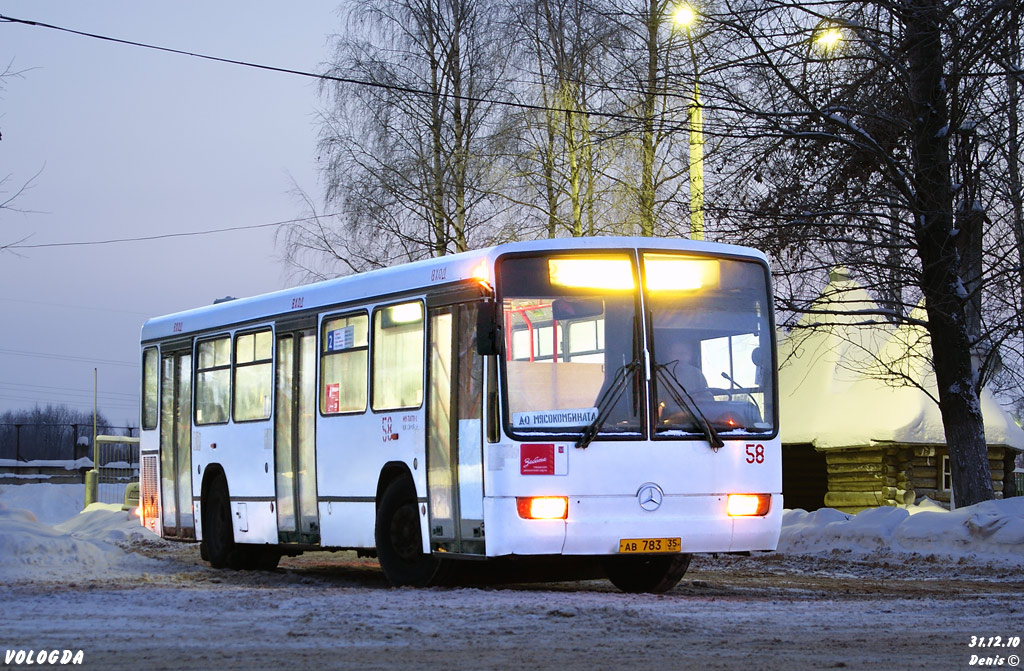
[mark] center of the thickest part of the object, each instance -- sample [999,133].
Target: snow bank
[89,544]
[993,530]
[49,503]
[106,522]
[83,546]
[30,550]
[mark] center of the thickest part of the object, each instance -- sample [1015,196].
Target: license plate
[648,545]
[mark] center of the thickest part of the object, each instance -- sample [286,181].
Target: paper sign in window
[333,403]
[341,339]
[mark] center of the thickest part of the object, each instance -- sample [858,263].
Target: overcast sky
[133,142]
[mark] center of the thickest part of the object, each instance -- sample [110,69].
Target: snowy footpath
[918,588]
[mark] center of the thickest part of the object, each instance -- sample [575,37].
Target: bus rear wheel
[652,574]
[399,542]
[218,531]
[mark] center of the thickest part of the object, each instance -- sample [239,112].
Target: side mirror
[488,333]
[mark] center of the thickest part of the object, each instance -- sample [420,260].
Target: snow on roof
[836,383]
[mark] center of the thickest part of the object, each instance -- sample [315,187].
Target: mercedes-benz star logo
[650,496]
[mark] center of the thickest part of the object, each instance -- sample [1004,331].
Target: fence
[52,442]
[117,465]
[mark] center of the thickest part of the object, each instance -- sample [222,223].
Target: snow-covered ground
[907,589]
[44,535]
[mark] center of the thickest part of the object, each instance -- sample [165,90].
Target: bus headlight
[748,505]
[543,507]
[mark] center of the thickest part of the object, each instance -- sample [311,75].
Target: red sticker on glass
[333,398]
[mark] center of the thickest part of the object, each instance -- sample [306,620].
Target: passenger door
[176,444]
[455,431]
[295,438]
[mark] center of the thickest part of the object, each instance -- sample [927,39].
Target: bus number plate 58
[648,545]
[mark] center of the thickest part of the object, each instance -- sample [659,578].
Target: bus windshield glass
[712,345]
[571,343]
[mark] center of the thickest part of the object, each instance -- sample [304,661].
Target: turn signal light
[543,507]
[748,505]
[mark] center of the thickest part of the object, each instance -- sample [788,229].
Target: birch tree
[406,148]
[657,167]
[560,158]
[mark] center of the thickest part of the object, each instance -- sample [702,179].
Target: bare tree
[567,161]
[10,193]
[646,90]
[848,157]
[407,161]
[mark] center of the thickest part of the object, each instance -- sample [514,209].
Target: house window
[947,478]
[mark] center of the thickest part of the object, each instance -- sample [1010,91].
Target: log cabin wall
[862,478]
[930,481]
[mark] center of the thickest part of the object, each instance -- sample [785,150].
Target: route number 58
[755,453]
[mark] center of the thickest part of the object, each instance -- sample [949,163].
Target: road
[334,611]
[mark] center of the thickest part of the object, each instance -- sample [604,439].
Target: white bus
[605,402]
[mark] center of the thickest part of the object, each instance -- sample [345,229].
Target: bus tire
[398,538]
[653,574]
[258,557]
[218,530]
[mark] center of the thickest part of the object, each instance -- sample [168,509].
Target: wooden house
[860,424]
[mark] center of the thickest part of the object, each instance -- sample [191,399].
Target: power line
[70,401]
[17,386]
[163,236]
[322,77]
[55,399]
[62,357]
[76,307]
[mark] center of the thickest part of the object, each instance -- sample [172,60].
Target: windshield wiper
[607,401]
[684,400]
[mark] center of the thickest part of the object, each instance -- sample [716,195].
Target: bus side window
[213,380]
[254,376]
[343,352]
[398,356]
[150,387]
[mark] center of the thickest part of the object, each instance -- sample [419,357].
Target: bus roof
[398,279]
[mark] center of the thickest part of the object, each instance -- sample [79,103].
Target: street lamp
[683,17]
[827,39]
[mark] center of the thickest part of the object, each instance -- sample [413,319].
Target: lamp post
[684,17]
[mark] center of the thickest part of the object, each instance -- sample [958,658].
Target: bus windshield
[712,346]
[571,339]
[574,346]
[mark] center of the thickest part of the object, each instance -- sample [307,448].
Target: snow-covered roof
[832,379]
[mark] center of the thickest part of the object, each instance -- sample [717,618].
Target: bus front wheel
[651,573]
[398,538]
[218,545]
